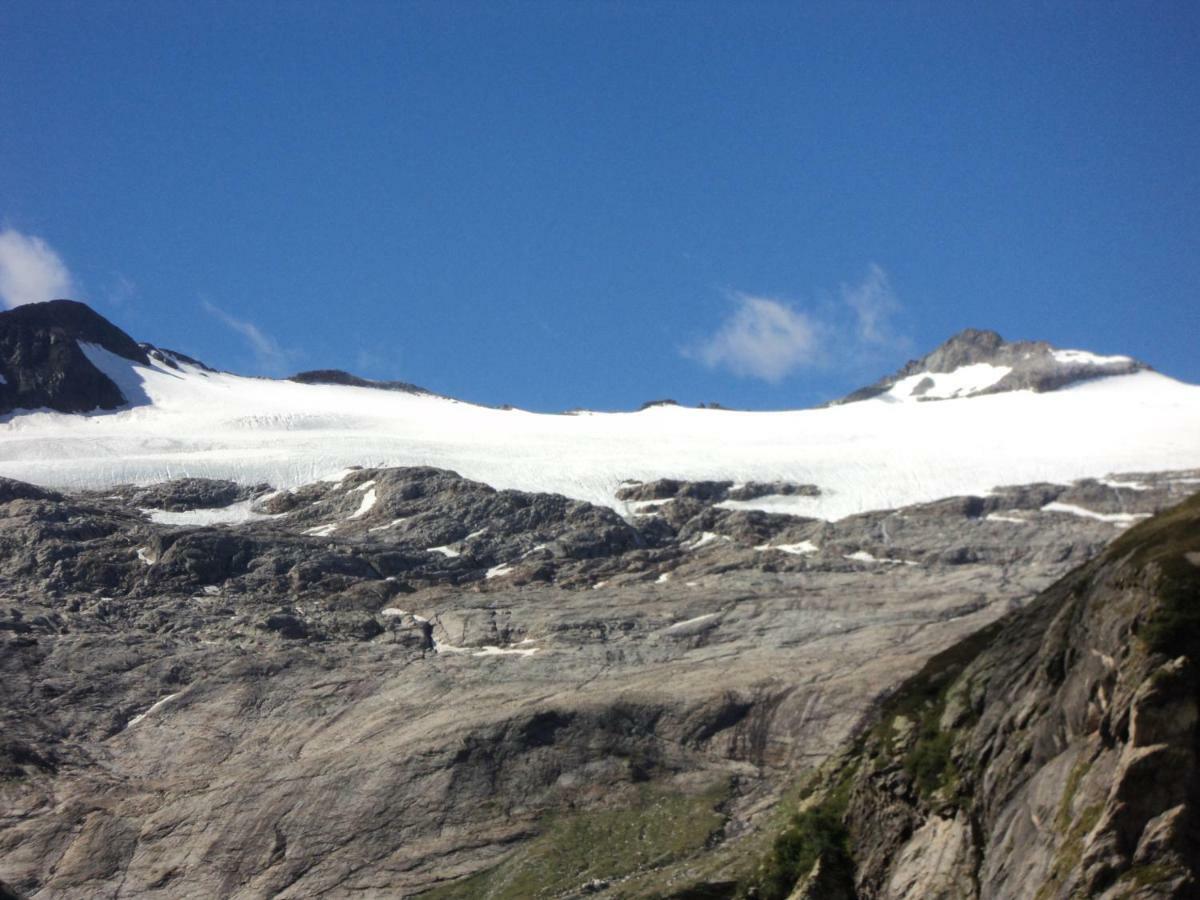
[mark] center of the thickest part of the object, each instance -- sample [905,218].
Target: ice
[864,456]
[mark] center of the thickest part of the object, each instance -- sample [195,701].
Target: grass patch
[605,844]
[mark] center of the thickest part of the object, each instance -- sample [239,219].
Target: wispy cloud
[122,290]
[874,304]
[268,353]
[30,270]
[763,338]
[771,338]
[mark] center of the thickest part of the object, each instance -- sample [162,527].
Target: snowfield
[874,454]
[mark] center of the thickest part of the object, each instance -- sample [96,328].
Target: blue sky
[594,204]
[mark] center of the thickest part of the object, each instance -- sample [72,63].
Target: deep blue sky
[562,204]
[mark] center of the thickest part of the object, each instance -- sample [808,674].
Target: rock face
[1031,365]
[1053,754]
[43,366]
[402,682]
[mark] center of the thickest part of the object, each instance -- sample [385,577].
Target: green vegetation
[1067,803]
[929,762]
[816,832]
[1070,852]
[605,844]
[1149,875]
[1162,546]
[922,699]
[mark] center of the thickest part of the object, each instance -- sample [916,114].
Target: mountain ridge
[1014,365]
[35,355]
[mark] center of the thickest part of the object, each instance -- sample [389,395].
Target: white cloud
[764,338]
[30,270]
[770,338]
[270,356]
[873,304]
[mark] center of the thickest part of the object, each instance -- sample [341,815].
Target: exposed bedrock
[402,681]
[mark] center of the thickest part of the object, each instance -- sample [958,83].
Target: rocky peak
[968,347]
[982,362]
[43,365]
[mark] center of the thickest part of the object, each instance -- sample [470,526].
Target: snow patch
[864,557]
[152,709]
[322,530]
[962,382]
[143,554]
[498,571]
[221,515]
[689,622]
[996,517]
[391,524]
[801,548]
[368,501]
[1111,518]
[1125,485]
[1086,358]
[446,551]
[706,538]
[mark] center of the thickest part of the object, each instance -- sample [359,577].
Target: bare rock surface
[1051,755]
[404,682]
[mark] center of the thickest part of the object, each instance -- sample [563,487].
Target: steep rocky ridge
[400,681]
[1051,755]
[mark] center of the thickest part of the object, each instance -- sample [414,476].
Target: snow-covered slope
[871,454]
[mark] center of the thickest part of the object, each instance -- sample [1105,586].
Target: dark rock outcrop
[338,376]
[43,366]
